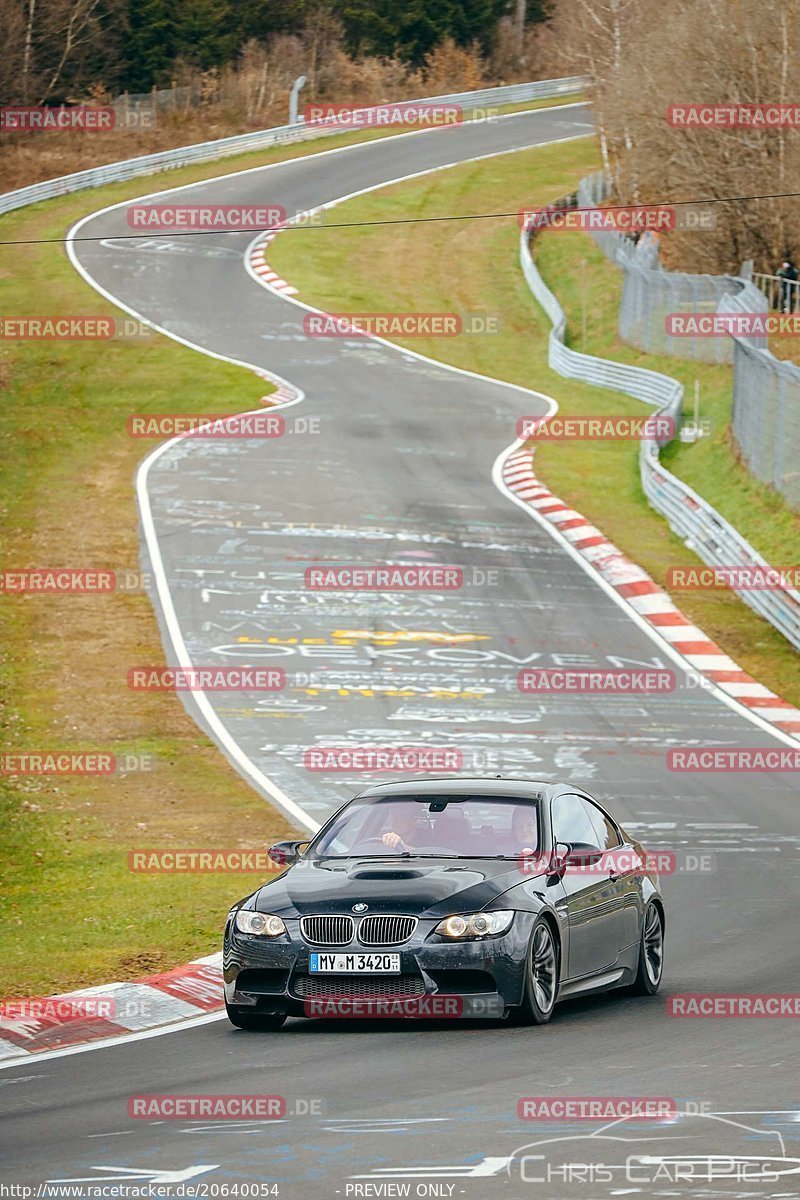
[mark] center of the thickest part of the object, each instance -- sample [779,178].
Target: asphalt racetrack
[402,467]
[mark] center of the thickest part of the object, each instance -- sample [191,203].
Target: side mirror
[560,858]
[286,853]
[584,857]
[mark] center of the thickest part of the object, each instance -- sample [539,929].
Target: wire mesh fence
[766,418]
[766,390]
[651,298]
[713,539]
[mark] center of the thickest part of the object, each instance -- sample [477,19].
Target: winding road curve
[402,467]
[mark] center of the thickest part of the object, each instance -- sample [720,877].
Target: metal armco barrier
[703,529]
[149,164]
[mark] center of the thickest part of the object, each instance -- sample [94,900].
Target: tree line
[57,50]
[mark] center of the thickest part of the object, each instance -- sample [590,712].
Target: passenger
[526,829]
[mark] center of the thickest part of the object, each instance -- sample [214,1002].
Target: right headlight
[264,924]
[463,926]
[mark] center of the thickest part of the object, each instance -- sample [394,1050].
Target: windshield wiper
[411,854]
[348,857]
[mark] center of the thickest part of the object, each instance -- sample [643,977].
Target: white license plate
[354,964]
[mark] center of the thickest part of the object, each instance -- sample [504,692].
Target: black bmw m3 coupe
[448,898]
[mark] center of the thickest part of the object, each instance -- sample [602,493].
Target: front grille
[353,985]
[327,931]
[386,931]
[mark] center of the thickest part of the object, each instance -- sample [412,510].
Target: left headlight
[474,925]
[264,924]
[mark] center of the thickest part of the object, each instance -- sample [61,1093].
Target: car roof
[446,785]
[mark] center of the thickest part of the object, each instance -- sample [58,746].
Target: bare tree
[643,57]
[52,47]
[12,38]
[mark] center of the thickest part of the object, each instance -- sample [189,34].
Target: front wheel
[541,976]
[651,953]
[245,1018]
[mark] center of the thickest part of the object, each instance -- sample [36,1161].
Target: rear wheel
[245,1018]
[541,976]
[651,953]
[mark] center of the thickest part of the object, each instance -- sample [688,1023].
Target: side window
[572,822]
[606,830]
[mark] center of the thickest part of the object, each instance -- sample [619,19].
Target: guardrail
[704,530]
[149,164]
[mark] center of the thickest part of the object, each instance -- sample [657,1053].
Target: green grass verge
[473,266]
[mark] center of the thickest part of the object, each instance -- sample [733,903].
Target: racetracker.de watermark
[730,115]
[83,118]
[732,324]
[751,577]
[703,1004]
[621,218]
[170,1107]
[58,1008]
[433,116]
[383,758]
[387,578]
[206,217]
[606,428]
[206,425]
[61,580]
[191,861]
[546,680]
[206,679]
[21,763]
[399,324]
[68,581]
[716,758]
[596,1108]
[72,329]
[438,1007]
[623,861]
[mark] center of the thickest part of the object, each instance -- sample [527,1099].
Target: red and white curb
[646,598]
[30,1026]
[257,260]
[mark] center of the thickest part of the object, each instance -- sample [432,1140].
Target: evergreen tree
[152,44]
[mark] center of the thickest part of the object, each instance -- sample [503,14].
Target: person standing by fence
[787,276]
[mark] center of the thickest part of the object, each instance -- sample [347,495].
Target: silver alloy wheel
[653,944]
[543,967]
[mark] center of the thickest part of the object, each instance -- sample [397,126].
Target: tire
[541,977]
[651,953]
[244,1018]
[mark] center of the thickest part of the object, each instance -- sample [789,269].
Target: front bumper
[468,979]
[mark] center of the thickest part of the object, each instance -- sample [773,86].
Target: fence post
[298,84]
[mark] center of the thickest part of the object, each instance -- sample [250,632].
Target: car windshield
[434,826]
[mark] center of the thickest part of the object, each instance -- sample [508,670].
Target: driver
[403,834]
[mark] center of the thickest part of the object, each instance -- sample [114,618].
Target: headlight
[474,925]
[264,924]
